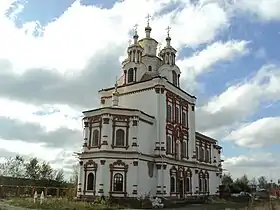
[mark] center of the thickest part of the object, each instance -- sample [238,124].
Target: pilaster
[101,174]
[106,124]
[135,171]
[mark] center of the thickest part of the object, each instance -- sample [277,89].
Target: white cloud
[58,115]
[263,9]
[259,133]
[240,100]
[254,164]
[203,61]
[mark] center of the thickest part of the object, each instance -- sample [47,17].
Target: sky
[55,55]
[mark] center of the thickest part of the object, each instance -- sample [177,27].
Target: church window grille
[120,138]
[169,113]
[172,184]
[130,75]
[174,77]
[150,68]
[95,138]
[118,183]
[169,144]
[90,181]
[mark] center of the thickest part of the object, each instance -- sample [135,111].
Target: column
[105,133]
[101,178]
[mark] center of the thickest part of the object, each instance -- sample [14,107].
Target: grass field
[62,204]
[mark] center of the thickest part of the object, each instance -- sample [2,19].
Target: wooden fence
[28,191]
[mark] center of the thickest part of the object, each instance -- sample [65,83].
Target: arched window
[169,113]
[207,156]
[150,68]
[90,181]
[120,138]
[178,148]
[202,155]
[174,78]
[205,185]
[172,184]
[188,184]
[184,149]
[118,182]
[130,75]
[95,138]
[200,185]
[168,144]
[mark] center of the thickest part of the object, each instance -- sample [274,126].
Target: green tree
[74,176]
[227,179]
[13,167]
[59,175]
[33,169]
[242,184]
[263,183]
[46,171]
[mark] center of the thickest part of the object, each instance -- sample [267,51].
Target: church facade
[142,140]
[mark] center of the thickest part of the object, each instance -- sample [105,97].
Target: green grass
[62,204]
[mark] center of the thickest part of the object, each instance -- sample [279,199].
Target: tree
[253,181]
[263,183]
[227,180]
[33,169]
[242,184]
[74,176]
[46,171]
[59,175]
[13,167]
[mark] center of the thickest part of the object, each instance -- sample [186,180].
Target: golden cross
[135,27]
[148,19]
[168,30]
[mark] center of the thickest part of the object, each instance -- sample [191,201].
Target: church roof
[121,109]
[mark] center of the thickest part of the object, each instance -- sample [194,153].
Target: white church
[142,140]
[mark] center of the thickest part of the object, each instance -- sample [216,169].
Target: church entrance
[181,188]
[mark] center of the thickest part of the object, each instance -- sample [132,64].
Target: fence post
[57,192]
[46,191]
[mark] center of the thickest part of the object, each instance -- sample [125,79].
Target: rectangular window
[169,113]
[184,119]
[176,114]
